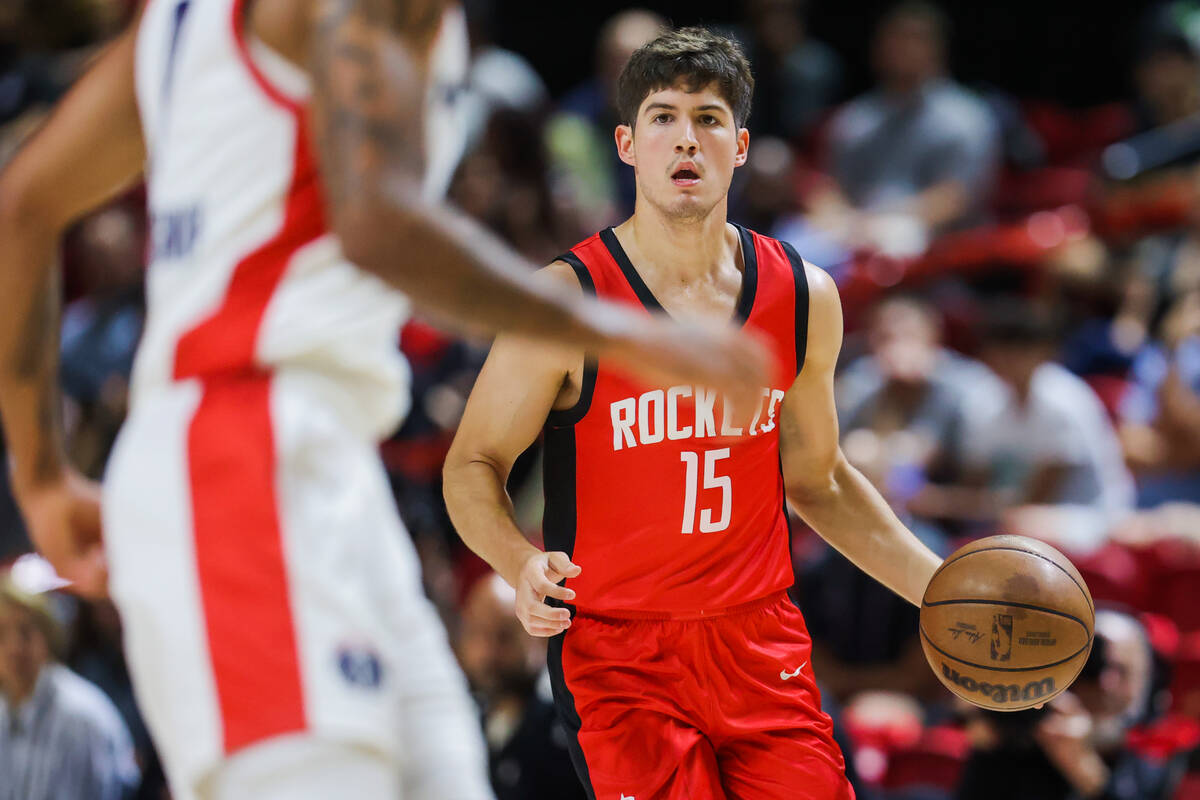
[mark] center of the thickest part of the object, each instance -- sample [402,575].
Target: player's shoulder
[561,272]
[824,316]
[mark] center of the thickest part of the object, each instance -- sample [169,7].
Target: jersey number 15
[711,481]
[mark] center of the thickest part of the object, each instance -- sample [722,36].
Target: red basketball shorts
[697,709]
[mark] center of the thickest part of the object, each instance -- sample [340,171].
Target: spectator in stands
[1075,747]
[580,137]
[917,155]
[1049,451]
[504,183]
[796,77]
[526,742]
[498,79]
[1166,74]
[100,329]
[60,737]
[1161,411]
[912,395]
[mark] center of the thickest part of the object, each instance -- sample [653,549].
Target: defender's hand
[63,516]
[728,359]
[538,580]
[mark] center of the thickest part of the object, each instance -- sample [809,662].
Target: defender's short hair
[694,57]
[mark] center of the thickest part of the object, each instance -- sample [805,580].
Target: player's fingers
[561,564]
[540,612]
[546,588]
[543,631]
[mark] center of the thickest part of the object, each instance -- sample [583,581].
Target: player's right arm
[519,385]
[367,60]
[90,148]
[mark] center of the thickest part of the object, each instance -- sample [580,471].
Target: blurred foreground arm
[829,494]
[368,62]
[88,151]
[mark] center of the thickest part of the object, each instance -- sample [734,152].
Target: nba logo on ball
[1038,608]
[1002,625]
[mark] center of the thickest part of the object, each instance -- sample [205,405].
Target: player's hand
[731,360]
[63,517]
[538,580]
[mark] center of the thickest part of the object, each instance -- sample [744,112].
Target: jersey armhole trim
[242,43]
[800,277]
[567,417]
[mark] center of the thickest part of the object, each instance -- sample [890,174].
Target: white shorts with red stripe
[268,589]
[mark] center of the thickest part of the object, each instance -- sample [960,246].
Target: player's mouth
[685,175]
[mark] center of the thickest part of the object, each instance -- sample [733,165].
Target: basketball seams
[1006,604]
[1087,646]
[1082,589]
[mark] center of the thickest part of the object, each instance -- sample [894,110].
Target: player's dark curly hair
[692,58]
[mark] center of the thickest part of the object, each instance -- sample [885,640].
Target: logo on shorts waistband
[360,666]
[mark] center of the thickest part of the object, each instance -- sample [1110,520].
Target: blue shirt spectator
[60,737]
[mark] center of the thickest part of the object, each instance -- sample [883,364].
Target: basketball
[1007,623]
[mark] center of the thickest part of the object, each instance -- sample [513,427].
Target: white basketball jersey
[244,274]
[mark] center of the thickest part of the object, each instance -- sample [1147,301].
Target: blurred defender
[276,631]
[682,668]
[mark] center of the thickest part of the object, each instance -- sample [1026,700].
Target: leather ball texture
[1007,622]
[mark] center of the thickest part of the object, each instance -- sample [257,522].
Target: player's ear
[743,147]
[624,139]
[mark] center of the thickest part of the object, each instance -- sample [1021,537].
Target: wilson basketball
[1007,623]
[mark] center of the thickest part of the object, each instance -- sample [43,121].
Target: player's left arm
[828,493]
[90,148]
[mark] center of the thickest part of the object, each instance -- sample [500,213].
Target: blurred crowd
[1021,283]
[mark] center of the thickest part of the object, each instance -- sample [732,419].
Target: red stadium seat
[1177,596]
[1189,787]
[1185,678]
[1114,574]
[936,760]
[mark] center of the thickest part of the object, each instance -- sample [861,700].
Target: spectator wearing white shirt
[1050,442]
[1040,455]
[61,738]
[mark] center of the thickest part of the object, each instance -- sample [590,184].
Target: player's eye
[662,118]
[709,119]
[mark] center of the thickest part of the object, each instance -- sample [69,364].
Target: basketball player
[679,663]
[275,627]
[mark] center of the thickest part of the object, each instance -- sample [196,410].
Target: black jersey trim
[610,240]
[801,279]
[564,702]
[749,274]
[566,417]
[558,485]
[749,278]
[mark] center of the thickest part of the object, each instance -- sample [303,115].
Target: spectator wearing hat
[60,737]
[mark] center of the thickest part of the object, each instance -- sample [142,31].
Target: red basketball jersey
[669,504]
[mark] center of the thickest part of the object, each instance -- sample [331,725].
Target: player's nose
[687,141]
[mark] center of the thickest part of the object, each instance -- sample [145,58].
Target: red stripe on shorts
[240,560]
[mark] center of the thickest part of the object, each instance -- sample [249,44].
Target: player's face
[684,149]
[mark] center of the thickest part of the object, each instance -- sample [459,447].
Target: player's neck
[687,250]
